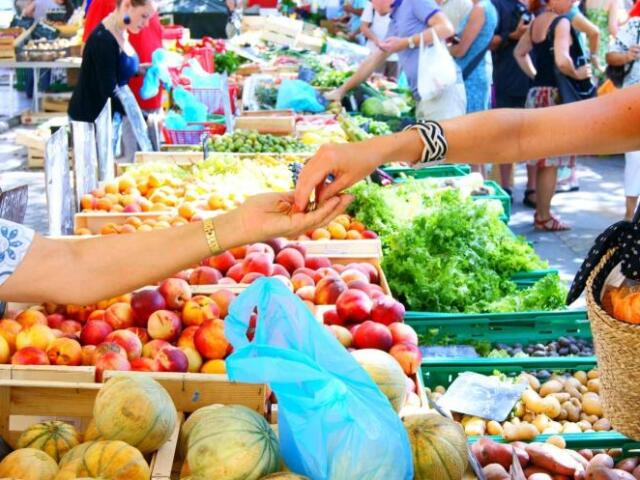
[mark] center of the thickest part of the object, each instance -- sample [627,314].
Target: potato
[475,427]
[561,396]
[574,392]
[601,459]
[533,402]
[523,432]
[586,453]
[573,412]
[495,471]
[528,417]
[594,385]
[578,458]
[584,425]
[557,440]
[530,379]
[589,418]
[549,387]
[541,422]
[494,428]
[581,376]
[572,382]
[591,404]
[518,410]
[622,474]
[615,452]
[602,425]
[636,473]
[571,428]
[563,415]
[552,458]
[593,374]
[489,452]
[532,470]
[540,476]
[600,472]
[628,464]
[583,389]
[516,421]
[551,406]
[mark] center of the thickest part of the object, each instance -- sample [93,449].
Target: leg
[631,203]
[545,189]
[506,170]
[530,197]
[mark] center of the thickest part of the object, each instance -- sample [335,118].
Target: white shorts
[632,174]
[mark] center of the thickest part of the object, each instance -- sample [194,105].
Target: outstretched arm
[604,125]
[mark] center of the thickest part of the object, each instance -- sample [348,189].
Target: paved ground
[599,203]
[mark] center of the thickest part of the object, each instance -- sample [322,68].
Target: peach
[261,248]
[236,272]
[82,232]
[323,273]
[151,349]
[144,364]
[119,316]
[403,333]
[339,268]
[71,327]
[353,275]
[39,336]
[172,359]
[141,333]
[30,317]
[222,262]
[411,385]
[408,356]
[111,361]
[328,290]
[305,271]
[214,367]
[321,234]
[315,263]
[199,309]
[290,258]
[386,310]
[88,355]
[300,280]
[194,359]
[258,263]
[354,306]
[369,235]
[164,325]
[186,210]
[239,252]
[128,340]
[105,347]
[30,356]
[9,329]
[134,222]
[368,269]
[251,277]
[360,285]
[144,303]
[186,337]
[337,231]
[223,299]
[176,292]
[227,281]
[280,270]
[331,317]
[94,332]
[285,280]
[342,334]
[357,226]
[373,335]
[183,274]
[64,351]
[277,244]
[5,351]
[54,320]
[210,341]
[354,235]
[98,315]
[307,293]
[88,202]
[204,276]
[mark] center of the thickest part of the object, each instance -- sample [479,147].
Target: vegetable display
[330,78]
[248,141]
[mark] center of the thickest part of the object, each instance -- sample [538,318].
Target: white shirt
[628,35]
[379,24]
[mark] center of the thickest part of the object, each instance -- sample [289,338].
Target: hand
[348,163]
[633,54]
[584,72]
[595,61]
[393,44]
[270,215]
[334,95]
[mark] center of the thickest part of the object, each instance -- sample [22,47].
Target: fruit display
[343,227]
[331,79]
[28,464]
[621,303]
[53,437]
[551,460]
[44,50]
[112,459]
[562,403]
[249,141]
[318,135]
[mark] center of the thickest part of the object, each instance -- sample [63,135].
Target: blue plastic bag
[299,96]
[192,110]
[334,422]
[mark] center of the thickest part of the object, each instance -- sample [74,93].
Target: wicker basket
[616,345]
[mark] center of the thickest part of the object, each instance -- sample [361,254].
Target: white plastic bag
[436,69]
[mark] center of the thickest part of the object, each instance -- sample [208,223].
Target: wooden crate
[275,125]
[33,139]
[9,44]
[55,103]
[36,118]
[343,248]
[171,157]
[35,158]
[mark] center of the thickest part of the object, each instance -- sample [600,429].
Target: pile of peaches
[169,329]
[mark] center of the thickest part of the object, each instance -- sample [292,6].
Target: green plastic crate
[528,279]
[508,328]
[589,440]
[442,371]
[437,171]
[499,194]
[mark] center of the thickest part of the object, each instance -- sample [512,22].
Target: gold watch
[210,234]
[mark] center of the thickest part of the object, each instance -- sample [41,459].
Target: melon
[91,433]
[188,425]
[284,476]
[233,442]
[28,464]
[386,373]
[137,410]
[107,459]
[438,446]
[54,438]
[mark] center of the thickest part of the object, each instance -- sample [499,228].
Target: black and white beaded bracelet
[435,143]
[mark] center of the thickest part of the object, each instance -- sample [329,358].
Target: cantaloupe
[28,464]
[188,425]
[135,409]
[233,442]
[91,433]
[386,372]
[106,459]
[438,446]
[55,438]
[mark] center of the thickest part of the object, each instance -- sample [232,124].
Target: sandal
[526,201]
[551,224]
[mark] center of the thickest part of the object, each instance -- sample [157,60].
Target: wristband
[435,143]
[210,234]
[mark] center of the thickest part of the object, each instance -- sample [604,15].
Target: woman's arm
[368,33]
[366,68]
[604,125]
[561,45]
[521,53]
[613,18]
[85,271]
[617,59]
[582,24]
[470,32]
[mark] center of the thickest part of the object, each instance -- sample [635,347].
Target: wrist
[230,231]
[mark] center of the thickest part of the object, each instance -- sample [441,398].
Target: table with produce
[415,336]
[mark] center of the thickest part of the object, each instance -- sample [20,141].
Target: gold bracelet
[210,234]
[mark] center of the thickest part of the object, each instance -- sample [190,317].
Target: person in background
[551,49]
[625,51]
[374,27]
[604,15]
[355,9]
[410,20]
[510,83]
[234,23]
[456,11]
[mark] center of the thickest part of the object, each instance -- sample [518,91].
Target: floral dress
[478,83]
[14,244]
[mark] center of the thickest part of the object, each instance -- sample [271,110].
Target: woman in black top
[551,50]
[108,60]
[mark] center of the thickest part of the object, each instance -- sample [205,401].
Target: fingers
[327,211]
[311,176]
[326,191]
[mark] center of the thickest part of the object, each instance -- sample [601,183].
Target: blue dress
[478,83]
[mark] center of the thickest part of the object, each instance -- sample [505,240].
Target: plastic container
[499,194]
[589,440]
[192,137]
[528,279]
[437,171]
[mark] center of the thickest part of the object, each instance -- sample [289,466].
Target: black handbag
[617,73]
[572,90]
